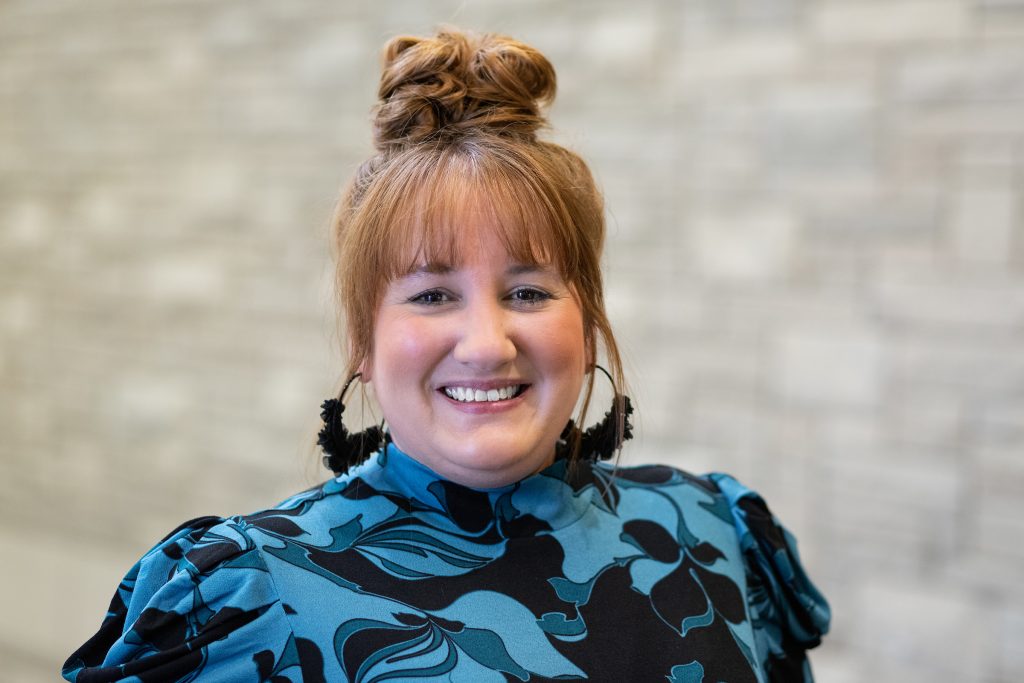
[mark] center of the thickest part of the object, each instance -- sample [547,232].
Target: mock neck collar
[550,499]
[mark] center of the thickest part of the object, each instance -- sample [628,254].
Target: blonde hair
[456,129]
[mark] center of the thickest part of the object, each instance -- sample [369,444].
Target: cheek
[405,347]
[561,344]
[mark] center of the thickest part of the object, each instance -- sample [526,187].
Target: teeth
[468,395]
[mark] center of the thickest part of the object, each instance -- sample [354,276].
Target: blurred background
[815,268]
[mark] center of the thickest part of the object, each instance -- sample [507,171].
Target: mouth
[492,395]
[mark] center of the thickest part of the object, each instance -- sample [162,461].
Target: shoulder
[730,530]
[772,553]
[759,533]
[654,477]
[201,591]
[788,612]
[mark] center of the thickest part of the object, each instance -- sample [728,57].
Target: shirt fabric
[391,572]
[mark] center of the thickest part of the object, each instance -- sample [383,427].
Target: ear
[590,341]
[365,370]
[365,366]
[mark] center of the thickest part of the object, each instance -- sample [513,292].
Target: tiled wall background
[816,267]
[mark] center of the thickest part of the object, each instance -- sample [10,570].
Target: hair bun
[456,82]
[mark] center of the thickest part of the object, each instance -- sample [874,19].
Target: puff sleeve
[788,613]
[199,603]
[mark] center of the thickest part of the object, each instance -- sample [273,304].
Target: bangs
[435,220]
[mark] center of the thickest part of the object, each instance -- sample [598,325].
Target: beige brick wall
[816,267]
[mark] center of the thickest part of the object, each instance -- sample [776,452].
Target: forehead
[447,231]
[489,256]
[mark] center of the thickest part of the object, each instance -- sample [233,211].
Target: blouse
[391,572]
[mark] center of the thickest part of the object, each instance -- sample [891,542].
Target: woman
[476,537]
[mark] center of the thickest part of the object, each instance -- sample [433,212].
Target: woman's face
[478,367]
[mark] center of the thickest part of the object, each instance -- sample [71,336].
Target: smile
[470,395]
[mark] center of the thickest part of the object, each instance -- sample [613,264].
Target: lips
[467,394]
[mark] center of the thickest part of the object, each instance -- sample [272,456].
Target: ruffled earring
[343,450]
[602,440]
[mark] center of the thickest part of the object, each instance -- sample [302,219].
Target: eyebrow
[443,269]
[522,268]
[430,269]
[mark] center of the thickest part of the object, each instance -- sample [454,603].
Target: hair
[455,130]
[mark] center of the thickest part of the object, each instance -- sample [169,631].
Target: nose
[484,342]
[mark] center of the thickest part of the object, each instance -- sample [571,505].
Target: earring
[600,441]
[343,450]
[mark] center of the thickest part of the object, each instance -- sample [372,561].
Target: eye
[529,295]
[431,297]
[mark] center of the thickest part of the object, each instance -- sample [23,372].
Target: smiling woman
[478,537]
[479,365]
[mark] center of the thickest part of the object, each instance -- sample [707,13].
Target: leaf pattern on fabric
[418,646]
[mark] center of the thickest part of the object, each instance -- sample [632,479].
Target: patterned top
[393,573]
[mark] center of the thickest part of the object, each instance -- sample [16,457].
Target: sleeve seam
[243,528]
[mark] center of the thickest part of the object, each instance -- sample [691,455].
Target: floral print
[389,573]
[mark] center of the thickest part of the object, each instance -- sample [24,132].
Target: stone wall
[815,266]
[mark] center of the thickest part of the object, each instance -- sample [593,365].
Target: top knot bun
[455,82]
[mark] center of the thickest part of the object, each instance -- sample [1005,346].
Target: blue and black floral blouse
[390,573]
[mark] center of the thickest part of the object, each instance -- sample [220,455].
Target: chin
[498,462]
[493,457]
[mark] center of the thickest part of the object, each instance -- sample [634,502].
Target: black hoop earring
[601,441]
[343,450]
